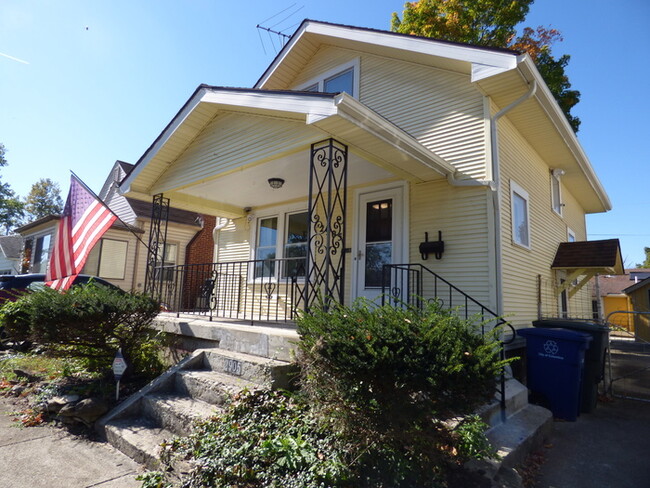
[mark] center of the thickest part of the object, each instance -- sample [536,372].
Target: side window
[295,244]
[342,82]
[281,237]
[41,254]
[107,259]
[265,251]
[570,235]
[520,215]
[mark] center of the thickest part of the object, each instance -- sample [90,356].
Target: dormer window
[344,78]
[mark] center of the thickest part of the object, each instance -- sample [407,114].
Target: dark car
[13,286]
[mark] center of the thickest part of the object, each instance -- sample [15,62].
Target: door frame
[395,190]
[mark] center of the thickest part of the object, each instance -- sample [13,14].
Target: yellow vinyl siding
[461,213]
[521,267]
[439,108]
[233,141]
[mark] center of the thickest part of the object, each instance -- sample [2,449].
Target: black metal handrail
[269,290]
[406,284]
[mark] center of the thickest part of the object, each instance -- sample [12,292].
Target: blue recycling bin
[555,368]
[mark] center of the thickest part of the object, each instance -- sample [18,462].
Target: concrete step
[275,341]
[175,413]
[521,434]
[516,399]
[262,371]
[138,438]
[210,386]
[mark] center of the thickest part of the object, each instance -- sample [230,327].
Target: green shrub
[265,439]
[89,322]
[389,378]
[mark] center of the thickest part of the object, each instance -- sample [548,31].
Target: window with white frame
[284,237]
[556,193]
[344,78]
[41,256]
[520,215]
[107,259]
[570,235]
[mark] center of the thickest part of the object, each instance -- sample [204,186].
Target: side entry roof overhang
[587,259]
[330,115]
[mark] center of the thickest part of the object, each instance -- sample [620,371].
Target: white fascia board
[162,139]
[555,114]
[357,113]
[284,102]
[482,71]
[432,47]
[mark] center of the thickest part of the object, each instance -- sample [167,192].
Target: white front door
[380,238]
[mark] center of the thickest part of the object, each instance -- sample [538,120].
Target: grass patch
[41,365]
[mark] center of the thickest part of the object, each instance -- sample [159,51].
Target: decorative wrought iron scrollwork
[153,283]
[327,213]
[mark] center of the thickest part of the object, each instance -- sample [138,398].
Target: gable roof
[503,75]
[11,246]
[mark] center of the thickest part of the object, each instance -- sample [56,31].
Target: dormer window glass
[343,78]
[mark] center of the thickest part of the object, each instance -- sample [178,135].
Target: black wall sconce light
[432,247]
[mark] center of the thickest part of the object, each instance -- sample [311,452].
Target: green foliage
[89,322]
[646,262]
[390,367]
[43,199]
[471,440]
[265,439]
[11,208]
[479,22]
[492,23]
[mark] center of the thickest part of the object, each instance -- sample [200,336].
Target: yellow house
[366,162]
[639,294]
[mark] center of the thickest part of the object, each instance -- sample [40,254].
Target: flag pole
[109,209]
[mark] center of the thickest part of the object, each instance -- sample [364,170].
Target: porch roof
[315,116]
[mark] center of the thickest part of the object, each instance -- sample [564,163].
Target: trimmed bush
[89,322]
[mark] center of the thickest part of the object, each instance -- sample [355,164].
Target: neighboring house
[370,144]
[639,294]
[120,256]
[11,248]
[610,291]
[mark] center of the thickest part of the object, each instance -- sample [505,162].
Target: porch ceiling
[217,154]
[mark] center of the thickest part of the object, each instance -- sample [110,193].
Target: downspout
[219,224]
[495,186]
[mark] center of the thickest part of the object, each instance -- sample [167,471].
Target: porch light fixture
[276,183]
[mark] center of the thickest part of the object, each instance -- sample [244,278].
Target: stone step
[262,371]
[516,399]
[138,438]
[210,386]
[521,434]
[178,414]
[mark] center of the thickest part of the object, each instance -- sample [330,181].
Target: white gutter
[495,186]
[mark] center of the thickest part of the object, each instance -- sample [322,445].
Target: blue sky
[90,82]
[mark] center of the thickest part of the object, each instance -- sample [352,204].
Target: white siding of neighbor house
[520,266]
[441,109]
[233,141]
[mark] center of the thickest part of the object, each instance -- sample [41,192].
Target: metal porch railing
[268,290]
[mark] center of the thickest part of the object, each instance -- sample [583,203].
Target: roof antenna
[281,38]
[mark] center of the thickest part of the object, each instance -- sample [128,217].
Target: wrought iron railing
[414,284]
[268,290]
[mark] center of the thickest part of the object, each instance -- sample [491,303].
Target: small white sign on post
[119,367]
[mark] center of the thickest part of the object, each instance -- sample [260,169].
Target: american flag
[83,222]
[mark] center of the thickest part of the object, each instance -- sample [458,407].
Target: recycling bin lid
[556,333]
[586,325]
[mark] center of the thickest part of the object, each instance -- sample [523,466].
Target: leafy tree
[646,263]
[11,208]
[492,23]
[44,199]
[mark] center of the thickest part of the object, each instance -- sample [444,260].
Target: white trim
[320,79]
[379,191]
[516,189]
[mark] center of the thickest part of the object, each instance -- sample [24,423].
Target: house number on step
[233,367]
